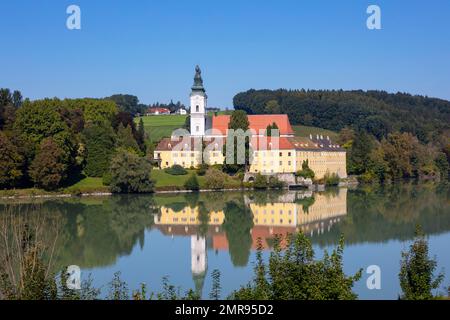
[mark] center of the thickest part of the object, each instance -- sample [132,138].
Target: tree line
[388,136]
[51,143]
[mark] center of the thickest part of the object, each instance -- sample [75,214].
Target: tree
[293,274]
[272,107]
[306,172]
[48,169]
[417,278]
[141,134]
[125,139]
[99,141]
[271,128]
[235,142]
[17,99]
[215,179]
[130,173]
[127,103]
[192,183]
[442,165]
[359,153]
[260,182]
[10,161]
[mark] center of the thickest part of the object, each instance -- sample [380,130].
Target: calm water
[186,237]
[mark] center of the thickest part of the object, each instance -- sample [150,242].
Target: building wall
[273,161]
[185,159]
[322,162]
[265,162]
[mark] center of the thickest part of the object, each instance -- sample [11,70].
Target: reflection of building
[198,262]
[291,212]
[311,213]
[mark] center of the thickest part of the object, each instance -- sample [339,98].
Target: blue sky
[150,48]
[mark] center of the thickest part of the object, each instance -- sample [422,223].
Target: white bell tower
[198,105]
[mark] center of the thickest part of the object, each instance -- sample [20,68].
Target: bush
[201,170]
[275,183]
[331,179]
[130,173]
[192,183]
[176,170]
[215,179]
[260,182]
[306,171]
[106,179]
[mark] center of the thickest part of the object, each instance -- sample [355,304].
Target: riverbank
[164,184]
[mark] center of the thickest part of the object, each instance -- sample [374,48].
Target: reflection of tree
[237,225]
[392,212]
[203,218]
[306,203]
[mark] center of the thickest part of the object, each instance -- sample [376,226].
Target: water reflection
[96,232]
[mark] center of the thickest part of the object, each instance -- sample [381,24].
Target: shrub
[130,173]
[275,183]
[215,179]
[106,179]
[331,179]
[260,182]
[192,183]
[201,170]
[306,171]
[176,170]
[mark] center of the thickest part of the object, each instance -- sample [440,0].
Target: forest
[387,136]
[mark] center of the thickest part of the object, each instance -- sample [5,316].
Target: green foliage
[48,169]
[331,180]
[442,165]
[118,289]
[417,278]
[176,170]
[260,181]
[192,183]
[202,168]
[272,107]
[293,274]
[275,183]
[127,103]
[215,288]
[271,129]
[215,179]
[126,140]
[11,162]
[376,112]
[99,142]
[237,225]
[130,173]
[306,172]
[238,120]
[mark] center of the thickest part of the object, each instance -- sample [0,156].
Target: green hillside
[158,127]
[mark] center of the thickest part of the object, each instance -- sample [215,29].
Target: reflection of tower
[198,262]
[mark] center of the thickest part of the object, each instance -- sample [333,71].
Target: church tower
[198,105]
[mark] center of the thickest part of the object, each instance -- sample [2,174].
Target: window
[197,128]
[281,154]
[289,154]
[197,108]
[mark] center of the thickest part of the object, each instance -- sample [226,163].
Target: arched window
[197,108]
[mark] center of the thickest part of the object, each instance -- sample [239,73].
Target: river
[187,236]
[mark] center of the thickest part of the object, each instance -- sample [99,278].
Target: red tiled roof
[257,123]
[269,143]
[160,110]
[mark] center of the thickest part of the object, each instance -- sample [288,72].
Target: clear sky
[150,48]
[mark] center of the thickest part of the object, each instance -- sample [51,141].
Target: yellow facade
[322,162]
[187,216]
[273,161]
[186,159]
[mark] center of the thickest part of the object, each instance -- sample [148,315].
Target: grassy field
[305,131]
[158,127]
